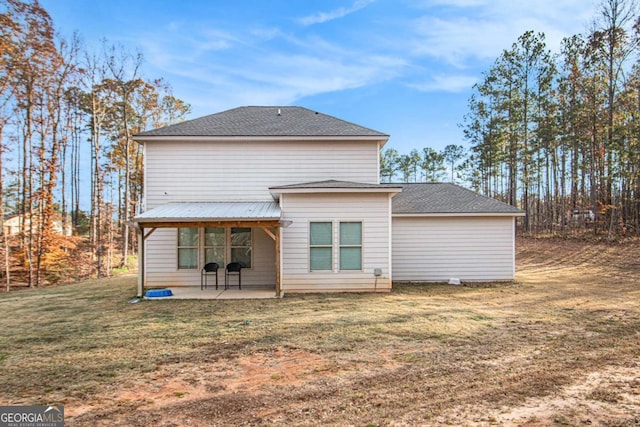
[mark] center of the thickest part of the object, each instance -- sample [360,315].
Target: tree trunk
[3,236]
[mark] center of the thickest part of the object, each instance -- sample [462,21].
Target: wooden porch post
[278,274]
[276,239]
[141,266]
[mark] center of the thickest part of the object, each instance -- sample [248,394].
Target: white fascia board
[200,219]
[277,191]
[174,138]
[459,214]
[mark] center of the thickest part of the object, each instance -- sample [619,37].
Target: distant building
[13,226]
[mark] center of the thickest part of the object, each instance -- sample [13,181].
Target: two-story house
[294,196]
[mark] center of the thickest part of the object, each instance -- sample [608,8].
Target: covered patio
[212,293]
[264,216]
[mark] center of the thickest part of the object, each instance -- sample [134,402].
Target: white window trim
[335,245]
[178,247]
[309,246]
[361,245]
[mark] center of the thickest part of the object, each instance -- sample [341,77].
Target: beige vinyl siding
[162,265]
[301,209]
[244,171]
[435,249]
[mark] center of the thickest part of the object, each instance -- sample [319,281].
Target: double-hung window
[350,246]
[214,245]
[320,246]
[187,248]
[241,246]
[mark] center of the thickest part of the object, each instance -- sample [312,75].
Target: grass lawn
[561,346]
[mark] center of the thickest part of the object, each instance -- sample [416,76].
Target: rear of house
[294,196]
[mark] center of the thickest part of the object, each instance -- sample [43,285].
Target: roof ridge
[263,121]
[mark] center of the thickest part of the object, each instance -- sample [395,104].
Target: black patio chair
[208,269]
[233,268]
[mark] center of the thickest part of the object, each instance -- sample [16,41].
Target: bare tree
[10,31]
[97,98]
[124,70]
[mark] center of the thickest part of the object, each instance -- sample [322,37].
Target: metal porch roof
[211,211]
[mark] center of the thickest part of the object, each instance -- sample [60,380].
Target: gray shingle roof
[431,198]
[265,121]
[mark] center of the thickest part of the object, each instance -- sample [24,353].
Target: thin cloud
[459,32]
[457,39]
[269,66]
[341,12]
[446,83]
[436,46]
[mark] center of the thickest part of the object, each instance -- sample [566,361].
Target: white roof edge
[184,212]
[201,219]
[173,138]
[456,214]
[394,190]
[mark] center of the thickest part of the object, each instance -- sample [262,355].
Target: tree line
[427,165]
[59,100]
[554,133]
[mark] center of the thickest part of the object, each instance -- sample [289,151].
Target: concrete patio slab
[220,293]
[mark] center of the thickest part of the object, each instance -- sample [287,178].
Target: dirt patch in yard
[251,374]
[561,346]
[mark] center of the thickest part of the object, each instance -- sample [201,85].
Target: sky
[402,67]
